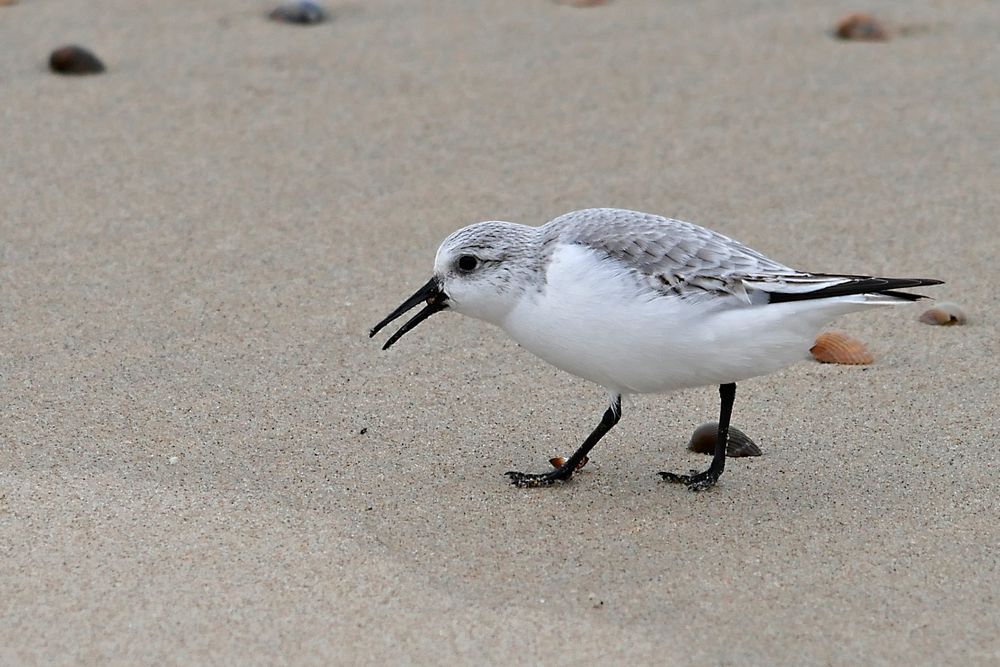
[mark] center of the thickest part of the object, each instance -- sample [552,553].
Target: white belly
[599,324]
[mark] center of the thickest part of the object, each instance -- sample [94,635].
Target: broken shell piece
[861,28]
[944,314]
[837,347]
[703,441]
[558,462]
[582,3]
[302,12]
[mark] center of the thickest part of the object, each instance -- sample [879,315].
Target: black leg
[698,481]
[565,471]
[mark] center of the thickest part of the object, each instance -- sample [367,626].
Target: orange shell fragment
[558,462]
[837,347]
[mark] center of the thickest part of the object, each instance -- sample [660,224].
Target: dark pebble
[302,13]
[703,441]
[74,60]
[861,28]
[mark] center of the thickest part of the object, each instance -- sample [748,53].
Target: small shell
[861,28]
[836,347]
[582,3]
[945,314]
[302,12]
[558,461]
[703,441]
[74,60]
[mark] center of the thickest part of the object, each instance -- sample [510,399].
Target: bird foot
[526,480]
[696,481]
[562,473]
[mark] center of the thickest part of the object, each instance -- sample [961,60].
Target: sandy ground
[204,459]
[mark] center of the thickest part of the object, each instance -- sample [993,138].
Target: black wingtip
[860,285]
[905,296]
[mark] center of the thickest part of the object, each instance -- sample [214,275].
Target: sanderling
[639,303]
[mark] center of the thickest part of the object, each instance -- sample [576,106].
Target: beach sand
[205,460]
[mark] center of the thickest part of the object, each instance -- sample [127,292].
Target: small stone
[861,28]
[302,12]
[703,441]
[74,59]
[173,460]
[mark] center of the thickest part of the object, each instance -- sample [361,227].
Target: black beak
[431,293]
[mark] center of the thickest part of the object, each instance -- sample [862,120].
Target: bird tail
[867,286]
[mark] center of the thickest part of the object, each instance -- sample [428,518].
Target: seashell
[558,461]
[302,12]
[861,28]
[837,347]
[74,59]
[703,441]
[945,314]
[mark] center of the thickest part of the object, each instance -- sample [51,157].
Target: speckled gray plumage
[673,256]
[652,243]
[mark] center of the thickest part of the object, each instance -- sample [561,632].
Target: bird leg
[699,481]
[565,471]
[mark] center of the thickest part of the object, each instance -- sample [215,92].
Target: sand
[205,460]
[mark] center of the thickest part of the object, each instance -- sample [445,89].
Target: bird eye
[467,263]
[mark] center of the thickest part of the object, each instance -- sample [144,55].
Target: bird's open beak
[431,293]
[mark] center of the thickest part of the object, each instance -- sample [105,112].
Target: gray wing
[682,259]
